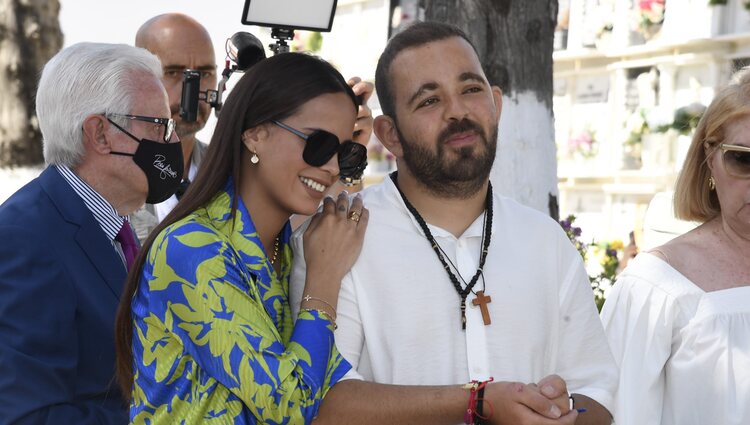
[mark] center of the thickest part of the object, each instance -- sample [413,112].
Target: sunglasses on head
[321,146]
[736,160]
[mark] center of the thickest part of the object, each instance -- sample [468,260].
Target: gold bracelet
[323,314]
[311,298]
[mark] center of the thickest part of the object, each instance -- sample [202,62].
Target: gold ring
[354,216]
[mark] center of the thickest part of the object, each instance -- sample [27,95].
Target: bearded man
[456,283]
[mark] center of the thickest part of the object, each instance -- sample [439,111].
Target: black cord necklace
[460,276]
[481,300]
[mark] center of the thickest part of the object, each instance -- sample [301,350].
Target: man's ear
[385,129]
[95,134]
[253,138]
[497,95]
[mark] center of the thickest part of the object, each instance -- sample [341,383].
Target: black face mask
[161,162]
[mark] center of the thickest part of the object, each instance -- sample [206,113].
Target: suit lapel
[90,237]
[102,254]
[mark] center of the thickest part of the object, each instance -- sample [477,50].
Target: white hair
[82,80]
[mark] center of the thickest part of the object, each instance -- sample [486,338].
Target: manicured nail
[555,411]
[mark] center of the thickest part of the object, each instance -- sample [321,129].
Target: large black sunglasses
[168,123]
[321,146]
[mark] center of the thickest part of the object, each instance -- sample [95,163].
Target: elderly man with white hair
[67,243]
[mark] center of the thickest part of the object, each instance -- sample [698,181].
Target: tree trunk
[514,40]
[29,36]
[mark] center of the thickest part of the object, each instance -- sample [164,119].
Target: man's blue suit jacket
[60,283]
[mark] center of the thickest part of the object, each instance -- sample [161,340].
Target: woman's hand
[332,244]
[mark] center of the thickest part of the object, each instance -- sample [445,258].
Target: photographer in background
[181,43]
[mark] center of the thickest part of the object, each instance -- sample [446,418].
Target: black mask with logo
[161,162]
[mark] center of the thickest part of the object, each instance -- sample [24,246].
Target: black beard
[459,178]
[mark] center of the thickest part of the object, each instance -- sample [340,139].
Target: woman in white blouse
[678,318]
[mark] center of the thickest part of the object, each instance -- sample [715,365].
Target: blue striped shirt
[104,213]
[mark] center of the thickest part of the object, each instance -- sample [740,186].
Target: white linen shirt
[684,353]
[399,318]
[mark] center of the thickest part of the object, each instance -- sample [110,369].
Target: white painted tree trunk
[525,164]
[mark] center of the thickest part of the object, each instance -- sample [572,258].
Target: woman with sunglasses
[204,330]
[678,318]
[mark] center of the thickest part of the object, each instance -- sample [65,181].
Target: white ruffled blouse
[684,354]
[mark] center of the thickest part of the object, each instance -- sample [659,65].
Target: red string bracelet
[476,396]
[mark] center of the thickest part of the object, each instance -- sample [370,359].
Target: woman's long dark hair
[273,89]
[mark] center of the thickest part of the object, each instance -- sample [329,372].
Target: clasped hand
[543,403]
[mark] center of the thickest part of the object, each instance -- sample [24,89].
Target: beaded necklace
[481,299]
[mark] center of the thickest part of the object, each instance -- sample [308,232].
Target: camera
[191,95]
[243,51]
[191,87]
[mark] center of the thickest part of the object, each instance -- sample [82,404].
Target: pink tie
[127,242]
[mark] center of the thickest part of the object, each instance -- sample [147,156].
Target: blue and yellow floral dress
[214,341]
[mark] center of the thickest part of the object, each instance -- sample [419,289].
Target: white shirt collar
[474,230]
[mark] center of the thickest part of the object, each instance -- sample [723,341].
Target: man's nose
[455,108]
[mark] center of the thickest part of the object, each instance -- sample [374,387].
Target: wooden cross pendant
[482,302]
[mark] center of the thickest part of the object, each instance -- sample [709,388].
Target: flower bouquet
[606,254]
[583,145]
[650,16]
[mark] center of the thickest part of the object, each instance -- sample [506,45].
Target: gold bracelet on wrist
[311,298]
[323,314]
